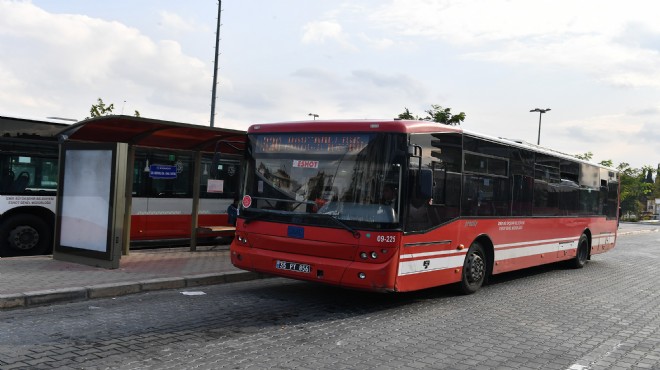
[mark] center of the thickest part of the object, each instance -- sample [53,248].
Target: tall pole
[538,139]
[215,65]
[541,111]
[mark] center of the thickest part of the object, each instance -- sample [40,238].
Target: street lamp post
[313,115]
[541,111]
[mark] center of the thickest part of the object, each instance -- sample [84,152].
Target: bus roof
[402,126]
[154,133]
[30,128]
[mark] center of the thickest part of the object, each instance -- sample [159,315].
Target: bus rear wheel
[24,235]
[582,253]
[474,269]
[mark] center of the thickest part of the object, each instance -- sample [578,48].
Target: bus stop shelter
[156,134]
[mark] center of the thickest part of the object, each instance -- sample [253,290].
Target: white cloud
[60,64]
[173,21]
[321,31]
[591,36]
[377,43]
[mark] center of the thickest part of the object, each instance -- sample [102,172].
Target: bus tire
[25,235]
[582,253]
[474,269]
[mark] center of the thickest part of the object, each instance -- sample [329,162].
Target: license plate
[293,266]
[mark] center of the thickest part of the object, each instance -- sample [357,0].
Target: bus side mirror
[425,184]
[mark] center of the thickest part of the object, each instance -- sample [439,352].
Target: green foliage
[436,114]
[444,116]
[586,156]
[637,186]
[407,115]
[100,109]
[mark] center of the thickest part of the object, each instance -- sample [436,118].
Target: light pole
[541,111]
[215,65]
[313,115]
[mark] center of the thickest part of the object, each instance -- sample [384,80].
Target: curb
[43,297]
[633,232]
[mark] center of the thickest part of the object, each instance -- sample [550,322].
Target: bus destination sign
[311,143]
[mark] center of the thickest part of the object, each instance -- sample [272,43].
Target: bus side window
[7,180]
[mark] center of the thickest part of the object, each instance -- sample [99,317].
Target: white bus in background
[28,185]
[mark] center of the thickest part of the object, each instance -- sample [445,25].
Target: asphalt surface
[39,280]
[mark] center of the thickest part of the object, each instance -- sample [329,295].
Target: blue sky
[596,64]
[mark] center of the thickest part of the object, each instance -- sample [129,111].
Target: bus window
[441,152]
[25,174]
[546,186]
[521,165]
[485,186]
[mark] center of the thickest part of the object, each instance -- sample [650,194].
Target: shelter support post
[130,164]
[194,223]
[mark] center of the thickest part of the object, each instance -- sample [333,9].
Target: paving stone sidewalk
[36,280]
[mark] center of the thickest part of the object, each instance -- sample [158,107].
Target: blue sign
[296,232]
[161,171]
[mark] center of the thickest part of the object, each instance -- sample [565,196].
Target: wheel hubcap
[24,238]
[476,268]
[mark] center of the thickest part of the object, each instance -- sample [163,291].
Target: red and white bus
[407,205]
[161,206]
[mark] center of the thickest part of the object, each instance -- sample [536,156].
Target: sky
[594,63]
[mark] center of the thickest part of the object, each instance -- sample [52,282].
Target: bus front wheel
[474,269]
[24,235]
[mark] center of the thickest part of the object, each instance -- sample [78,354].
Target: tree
[100,109]
[436,114]
[586,156]
[649,174]
[635,189]
[407,115]
[656,192]
[444,116]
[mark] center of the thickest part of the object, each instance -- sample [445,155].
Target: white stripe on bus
[413,263]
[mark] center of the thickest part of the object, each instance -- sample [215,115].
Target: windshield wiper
[258,216]
[356,234]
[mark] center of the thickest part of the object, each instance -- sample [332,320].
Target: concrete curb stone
[55,295]
[49,296]
[13,300]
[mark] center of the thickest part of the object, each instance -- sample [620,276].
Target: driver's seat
[21,182]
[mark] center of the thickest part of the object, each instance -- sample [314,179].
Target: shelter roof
[152,133]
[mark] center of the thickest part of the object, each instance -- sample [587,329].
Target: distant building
[653,208]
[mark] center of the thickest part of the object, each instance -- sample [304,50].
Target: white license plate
[293,266]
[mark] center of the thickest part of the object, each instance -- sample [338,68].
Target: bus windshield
[351,177]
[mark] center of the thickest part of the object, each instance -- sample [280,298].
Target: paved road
[605,316]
